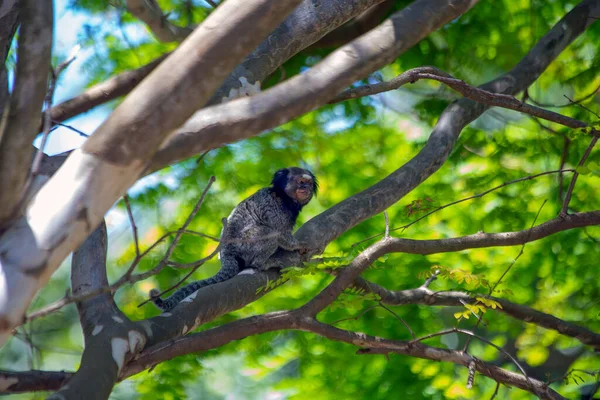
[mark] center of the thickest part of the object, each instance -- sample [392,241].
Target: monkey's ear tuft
[280,179]
[315,184]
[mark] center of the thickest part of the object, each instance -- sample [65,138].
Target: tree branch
[429,297]
[330,224]
[358,26]
[482,239]
[99,318]
[297,320]
[327,226]
[32,381]
[565,206]
[150,13]
[111,160]
[245,117]
[9,20]
[470,92]
[305,25]
[377,345]
[101,93]
[20,124]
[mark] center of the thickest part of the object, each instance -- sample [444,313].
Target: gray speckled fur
[256,228]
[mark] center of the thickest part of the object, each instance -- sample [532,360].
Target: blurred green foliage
[349,147]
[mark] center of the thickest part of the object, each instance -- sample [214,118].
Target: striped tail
[169,303]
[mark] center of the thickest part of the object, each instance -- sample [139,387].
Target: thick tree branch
[217,337]
[482,239]
[429,297]
[330,224]
[348,275]
[98,371]
[32,381]
[209,339]
[9,18]
[150,13]
[101,93]
[245,117]
[336,220]
[358,26]
[99,173]
[240,329]
[111,339]
[345,278]
[470,92]
[376,345]
[305,25]
[20,123]
[361,54]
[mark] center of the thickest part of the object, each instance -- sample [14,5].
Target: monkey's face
[300,188]
[297,183]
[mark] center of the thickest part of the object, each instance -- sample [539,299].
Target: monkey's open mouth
[302,193]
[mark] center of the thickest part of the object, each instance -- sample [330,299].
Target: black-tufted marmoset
[256,228]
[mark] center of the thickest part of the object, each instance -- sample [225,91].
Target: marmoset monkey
[256,228]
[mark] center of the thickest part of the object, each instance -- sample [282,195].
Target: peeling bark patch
[190,298]
[136,341]
[97,329]
[5,383]
[246,89]
[117,319]
[147,328]
[248,271]
[197,322]
[185,330]
[119,347]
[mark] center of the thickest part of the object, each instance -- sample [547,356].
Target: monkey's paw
[305,249]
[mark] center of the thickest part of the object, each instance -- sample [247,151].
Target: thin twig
[477,316]
[582,106]
[355,318]
[495,391]
[189,219]
[69,299]
[199,160]
[387,224]
[570,103]
[432,278]
[133,226]
[404,227]
[473,335]
[80,133]
[195,266]
[491,291]
[412,333]
[565,206]
[128,277]
[161,264]
[471,92]
[47,123]
[563,160]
